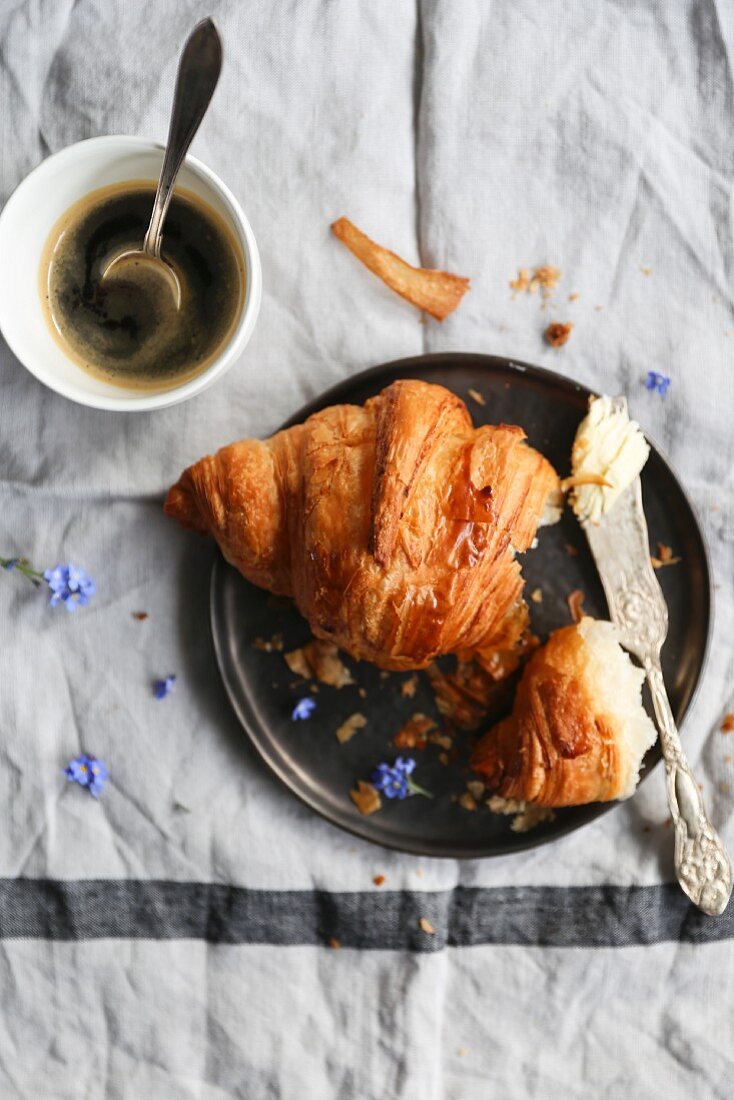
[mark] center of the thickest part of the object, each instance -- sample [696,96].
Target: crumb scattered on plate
[727,724]
[408,687]
[141,616]
[499,805]
[319,660]
[426,926]
[476,788]
[575,603]
[441,739]
[477,396]
[378,880]
[270,645]
[664,557]
[530,817]
[465,695]
[349,727]
[467,801]
[525,815]
[362,692]
[537,595]
[570,549]
[443,758]
[558,333]
[365,798]
[414,734]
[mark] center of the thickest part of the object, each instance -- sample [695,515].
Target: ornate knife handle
[701,863]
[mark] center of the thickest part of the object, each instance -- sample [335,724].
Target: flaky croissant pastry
[393,525]
[578,730]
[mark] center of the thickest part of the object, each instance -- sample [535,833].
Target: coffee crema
[126,329]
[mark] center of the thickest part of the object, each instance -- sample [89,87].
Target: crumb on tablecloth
[140,616]
[727,723]
[378,880]
[333,943]
[558,333]
[426,926]
[544,279]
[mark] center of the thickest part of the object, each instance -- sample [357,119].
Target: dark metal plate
[306,755]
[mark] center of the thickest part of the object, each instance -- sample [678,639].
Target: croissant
[393,525]
[578,730]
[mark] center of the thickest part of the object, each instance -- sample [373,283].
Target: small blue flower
[659,382]
[88,772]
[394,779]
[303,709]
[69,585]
[162,688]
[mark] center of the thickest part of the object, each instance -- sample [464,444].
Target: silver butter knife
[620,545]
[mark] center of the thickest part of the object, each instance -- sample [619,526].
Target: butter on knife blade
[610,447]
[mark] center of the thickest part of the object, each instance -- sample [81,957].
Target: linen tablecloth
[168,940]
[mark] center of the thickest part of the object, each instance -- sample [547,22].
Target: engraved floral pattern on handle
[701,862]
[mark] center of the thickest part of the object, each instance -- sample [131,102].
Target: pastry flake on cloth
[578,730]
[394,525]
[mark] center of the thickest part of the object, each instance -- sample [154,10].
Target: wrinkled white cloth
[476,137]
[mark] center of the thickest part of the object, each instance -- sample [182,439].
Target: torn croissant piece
[394,526]
[578,730]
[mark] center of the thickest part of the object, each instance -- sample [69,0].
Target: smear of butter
[608,444]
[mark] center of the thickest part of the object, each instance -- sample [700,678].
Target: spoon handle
[198,73]
[701,862]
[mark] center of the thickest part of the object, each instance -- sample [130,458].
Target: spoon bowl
[126,267]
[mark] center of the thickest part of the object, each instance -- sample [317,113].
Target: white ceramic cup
[25,224]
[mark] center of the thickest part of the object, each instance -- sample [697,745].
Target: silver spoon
[198,73]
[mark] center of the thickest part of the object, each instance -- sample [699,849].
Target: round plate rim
[594,810]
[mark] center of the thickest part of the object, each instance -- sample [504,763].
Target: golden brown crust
[555,749]
[393,525]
